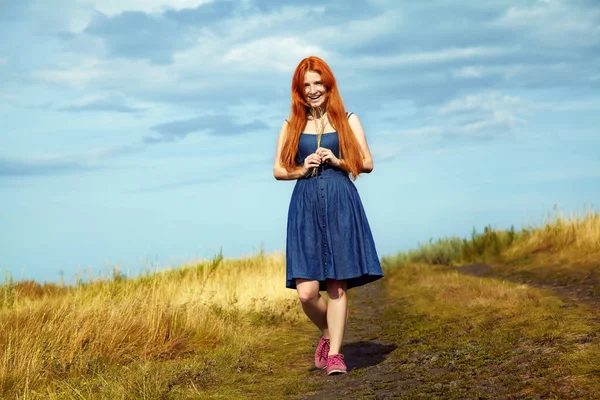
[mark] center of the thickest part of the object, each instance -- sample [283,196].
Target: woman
[329,242]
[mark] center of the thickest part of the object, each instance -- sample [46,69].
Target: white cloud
[505,71]
[115,101]
[498,120]
[484,101]
[440,56]
[554,23]
[114,7]
[358,31]
[131,77]
[484,114]
[281,53]
[572,105]
[56,163]
[260,24]
[523,17]
[92,99]
[76,76]
[79,20]
[469,72]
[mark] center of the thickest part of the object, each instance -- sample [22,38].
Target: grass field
[503,313]
[189,332]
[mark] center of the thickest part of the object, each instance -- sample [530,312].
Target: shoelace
[324,350]
[336,359]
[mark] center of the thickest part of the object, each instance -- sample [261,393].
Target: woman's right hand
[311,161]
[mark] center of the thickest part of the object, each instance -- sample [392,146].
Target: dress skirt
[328,235]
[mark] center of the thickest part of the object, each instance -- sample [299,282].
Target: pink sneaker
[321,353]
[336,365]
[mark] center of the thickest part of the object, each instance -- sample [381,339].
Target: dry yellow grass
[565,250]
[74,333]
[579,233]
[249,286]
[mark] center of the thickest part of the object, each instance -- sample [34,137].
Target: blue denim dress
[328,235]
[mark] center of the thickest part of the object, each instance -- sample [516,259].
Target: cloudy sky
[142,133]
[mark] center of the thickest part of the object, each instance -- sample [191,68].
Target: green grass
[460,336]
[463,336]
[572,236]
[455,250]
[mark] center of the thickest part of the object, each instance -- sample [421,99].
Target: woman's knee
[308,291]
[308,296]
[336,289]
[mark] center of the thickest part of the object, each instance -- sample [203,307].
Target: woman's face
[314,90]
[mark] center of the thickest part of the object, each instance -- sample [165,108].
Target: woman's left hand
[328,157]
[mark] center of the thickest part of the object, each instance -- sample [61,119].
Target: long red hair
[350,152]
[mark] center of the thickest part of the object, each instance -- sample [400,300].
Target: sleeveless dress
[328,235]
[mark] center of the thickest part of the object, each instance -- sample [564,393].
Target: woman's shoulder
[349,114]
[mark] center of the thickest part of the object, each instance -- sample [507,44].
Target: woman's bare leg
[337,313]
[313,303]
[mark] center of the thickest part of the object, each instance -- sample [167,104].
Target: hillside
[502,314]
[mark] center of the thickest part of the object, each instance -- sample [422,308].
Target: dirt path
[364,351]
[378,369]
[571,291]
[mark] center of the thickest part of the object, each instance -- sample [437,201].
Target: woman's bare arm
[280,172]
[362,141]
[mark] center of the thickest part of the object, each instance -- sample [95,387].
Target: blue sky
[143,133]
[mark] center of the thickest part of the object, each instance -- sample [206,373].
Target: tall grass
[62,334]
[577,232]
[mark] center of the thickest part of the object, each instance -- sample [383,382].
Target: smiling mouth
[314,97]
